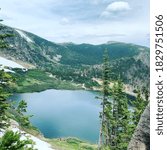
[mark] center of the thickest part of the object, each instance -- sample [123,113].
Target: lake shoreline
[68,107]
[131,94]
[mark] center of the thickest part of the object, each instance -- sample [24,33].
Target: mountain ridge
[79,62]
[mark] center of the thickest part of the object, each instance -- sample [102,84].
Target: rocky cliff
[141,137]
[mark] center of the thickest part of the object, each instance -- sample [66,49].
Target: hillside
[78,63]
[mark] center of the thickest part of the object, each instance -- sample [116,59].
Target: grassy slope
[63,143]
[71,144]
[36,80]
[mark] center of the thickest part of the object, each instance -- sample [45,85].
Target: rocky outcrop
[141,137]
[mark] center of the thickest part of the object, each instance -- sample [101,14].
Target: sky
[80,21]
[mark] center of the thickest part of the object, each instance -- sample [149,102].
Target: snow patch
[23,35]
[39,144]
[9,63]
[7,70]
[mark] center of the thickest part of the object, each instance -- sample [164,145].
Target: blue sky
[80,21]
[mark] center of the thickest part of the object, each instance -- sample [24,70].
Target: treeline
[131,71]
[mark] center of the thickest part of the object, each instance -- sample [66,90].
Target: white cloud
[78,21]
[119,7]
[64,21]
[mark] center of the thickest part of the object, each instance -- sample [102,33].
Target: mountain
[78,63]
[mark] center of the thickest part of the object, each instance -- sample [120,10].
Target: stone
[141,137]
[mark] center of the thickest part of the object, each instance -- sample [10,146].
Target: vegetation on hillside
[80,63]
[35,80]
[117,121]
[71,144]
[62,66]
[5,80]
[10,140]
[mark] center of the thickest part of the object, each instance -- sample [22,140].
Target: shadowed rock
[141,137]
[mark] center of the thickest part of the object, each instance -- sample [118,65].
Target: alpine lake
[64,113]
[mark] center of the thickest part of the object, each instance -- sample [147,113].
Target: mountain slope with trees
[117,121]
[78,63]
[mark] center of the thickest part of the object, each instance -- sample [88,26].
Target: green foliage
[117,121]
[91,54]
[80,63]
[35,80]
[5,80]
[106,114]
[122,127]
[71,144]
[12,141]
[21,108]
[131,71]
[4,36]
[24,121]
[139,105]
[3,44]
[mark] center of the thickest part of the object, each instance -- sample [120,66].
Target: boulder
[141,136]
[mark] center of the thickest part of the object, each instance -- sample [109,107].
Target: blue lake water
[64,113]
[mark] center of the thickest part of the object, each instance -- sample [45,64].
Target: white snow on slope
[7,70]
[23,35]
[9,63]
[39,144]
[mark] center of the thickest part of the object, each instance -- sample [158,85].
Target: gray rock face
[141,137]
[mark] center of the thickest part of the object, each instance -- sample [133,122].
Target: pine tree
[5,80]
[22,107]
[139,105]
[105,115]
[12,141]
[121,121]
[116,130]
[3,37]
[117,121]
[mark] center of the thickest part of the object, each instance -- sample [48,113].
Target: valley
[73,64]
[68,74]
